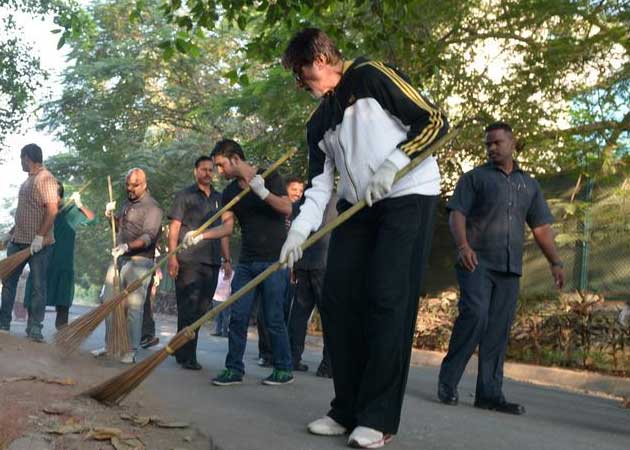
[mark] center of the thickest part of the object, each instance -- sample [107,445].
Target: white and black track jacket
[372,115]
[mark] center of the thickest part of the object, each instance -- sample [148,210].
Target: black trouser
[309,294]
[369,305]
[61,318]
[194,287]
[148,324]
[486,309]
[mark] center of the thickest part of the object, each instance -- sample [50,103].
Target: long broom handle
[113,226]
[341,218]
[137,283]
[69,201]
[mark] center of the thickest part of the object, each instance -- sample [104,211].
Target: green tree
[21,74]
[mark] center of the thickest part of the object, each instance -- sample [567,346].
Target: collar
[347,65]
[198,189]
[36,171]
[491,165]
[141,199]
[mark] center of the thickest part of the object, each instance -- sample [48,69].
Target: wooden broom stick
[116,339]
[71,336]
[114,390]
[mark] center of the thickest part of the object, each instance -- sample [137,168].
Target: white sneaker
[99,352]
[128,358]
[364,437]
[326,426]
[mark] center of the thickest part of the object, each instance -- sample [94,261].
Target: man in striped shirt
[369,124]
[34,219]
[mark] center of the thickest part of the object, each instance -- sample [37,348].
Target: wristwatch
[557,264]
[226,260]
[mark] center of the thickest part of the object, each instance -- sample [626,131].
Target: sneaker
[364,437]
[300,367]
[279,377]
[227,378]
[36,337]
[128,358]
[99,352]
[323,371]
[264,362]
[326,426]
[149,341]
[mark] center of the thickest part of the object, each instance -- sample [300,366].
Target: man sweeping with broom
[139,224]
[261,215]
[34,219]
[60,275]
[370,123]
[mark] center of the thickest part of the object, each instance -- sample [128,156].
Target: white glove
[381,183]
[117,252]
[291,249]
[76,198]
[258,186]
[110,207]
[190,240]
[37,244]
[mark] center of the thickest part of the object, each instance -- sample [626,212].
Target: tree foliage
[21,74]
[154,84]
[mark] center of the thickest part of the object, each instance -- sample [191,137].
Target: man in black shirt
[489,209]
[261,215]
[308,273]
[196,268]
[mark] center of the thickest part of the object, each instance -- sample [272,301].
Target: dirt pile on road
[40,408]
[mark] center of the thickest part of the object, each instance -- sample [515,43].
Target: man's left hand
[558,276]
[37,244]
[120,250]
[258,186]
[381,183]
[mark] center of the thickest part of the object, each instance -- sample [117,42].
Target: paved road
[253,416]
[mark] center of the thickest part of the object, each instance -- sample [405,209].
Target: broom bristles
[117,336]
[70,337]
[114,390]
[10,263]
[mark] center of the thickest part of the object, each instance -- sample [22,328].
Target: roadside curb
[591,383]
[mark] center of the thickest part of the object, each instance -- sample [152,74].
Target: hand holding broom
[114,390]
[70,337]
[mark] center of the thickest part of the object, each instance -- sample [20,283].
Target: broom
[116,337]
[71,336]
[114,390]
[10,263]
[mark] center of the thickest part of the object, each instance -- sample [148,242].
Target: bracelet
[557,264]
[226,260]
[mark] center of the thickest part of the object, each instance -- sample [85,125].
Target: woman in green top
[60,276]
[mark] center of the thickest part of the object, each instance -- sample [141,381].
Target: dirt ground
[40,408]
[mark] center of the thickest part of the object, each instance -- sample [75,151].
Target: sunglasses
[300,80]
